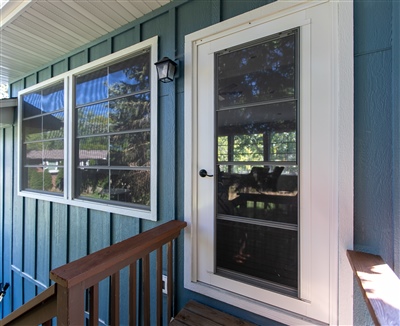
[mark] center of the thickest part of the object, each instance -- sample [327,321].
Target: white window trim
[68,78]
[340,219]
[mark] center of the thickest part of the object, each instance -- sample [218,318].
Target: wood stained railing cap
[379,285]
[91,269]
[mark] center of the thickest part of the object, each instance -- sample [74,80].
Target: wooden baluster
[146,290]
[169,278]
[132,295]
[159,287]
[94,305]
[115,298]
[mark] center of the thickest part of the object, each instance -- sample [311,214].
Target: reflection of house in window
[92,157]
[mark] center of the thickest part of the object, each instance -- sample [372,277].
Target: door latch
[203,173]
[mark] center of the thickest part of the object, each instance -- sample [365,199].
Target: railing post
[70,305]
[159,293]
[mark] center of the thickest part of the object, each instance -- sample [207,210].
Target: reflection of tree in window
[283,146]
[116,121]
[262,72]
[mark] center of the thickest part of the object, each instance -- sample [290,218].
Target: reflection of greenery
[283,146]
[263,71]
[40,180]
[60,179]
[121,126]
[248,148]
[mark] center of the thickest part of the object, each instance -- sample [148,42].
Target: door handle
[203,173]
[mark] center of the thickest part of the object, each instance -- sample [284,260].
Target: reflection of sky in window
[47,100]
[91,87]
[53,100]
[120,78]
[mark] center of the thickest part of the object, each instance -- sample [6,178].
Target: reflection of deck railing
[379,285]
[66,299]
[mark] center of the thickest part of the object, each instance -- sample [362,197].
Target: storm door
[256,109]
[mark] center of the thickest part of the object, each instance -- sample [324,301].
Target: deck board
[197,314]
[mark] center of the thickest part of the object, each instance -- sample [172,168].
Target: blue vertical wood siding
[376,135]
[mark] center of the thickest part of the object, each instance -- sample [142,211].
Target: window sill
[104,207]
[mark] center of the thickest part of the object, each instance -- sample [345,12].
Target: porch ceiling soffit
[34,33]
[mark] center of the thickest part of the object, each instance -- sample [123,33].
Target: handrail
[379,285]
[93,268]
[74,279]
[40,309]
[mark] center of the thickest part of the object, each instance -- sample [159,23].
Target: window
[257,216]
[43,139]
[262,117]
[89,138]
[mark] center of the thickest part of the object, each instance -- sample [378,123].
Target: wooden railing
[66,298]
[379,285]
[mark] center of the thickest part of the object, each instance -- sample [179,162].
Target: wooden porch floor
[196,314]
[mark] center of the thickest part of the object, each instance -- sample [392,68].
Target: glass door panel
[257,163]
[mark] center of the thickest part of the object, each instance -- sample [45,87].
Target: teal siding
[376,135]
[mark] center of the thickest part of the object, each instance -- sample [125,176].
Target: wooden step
[197,314]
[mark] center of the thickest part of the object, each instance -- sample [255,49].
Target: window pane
[93,183]
[92,119]
[223,149]
[32,104]
[248,148]
[34,178]
[130,113]
[47,100]
[257,190]
[53,151]
[53,125]
[33,154]
[32,129]
[257,73]
[113,134]
[130,149]
[257,119]
[93,151]
[91,87]
[283,146]
[263,192]
[43,139]
[42,179]
[53,98]
[264,253]
[130,76]
[131,186]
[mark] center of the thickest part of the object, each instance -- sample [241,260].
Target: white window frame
[337,228]
[68,78]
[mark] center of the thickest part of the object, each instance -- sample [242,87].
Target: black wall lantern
[166,70]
